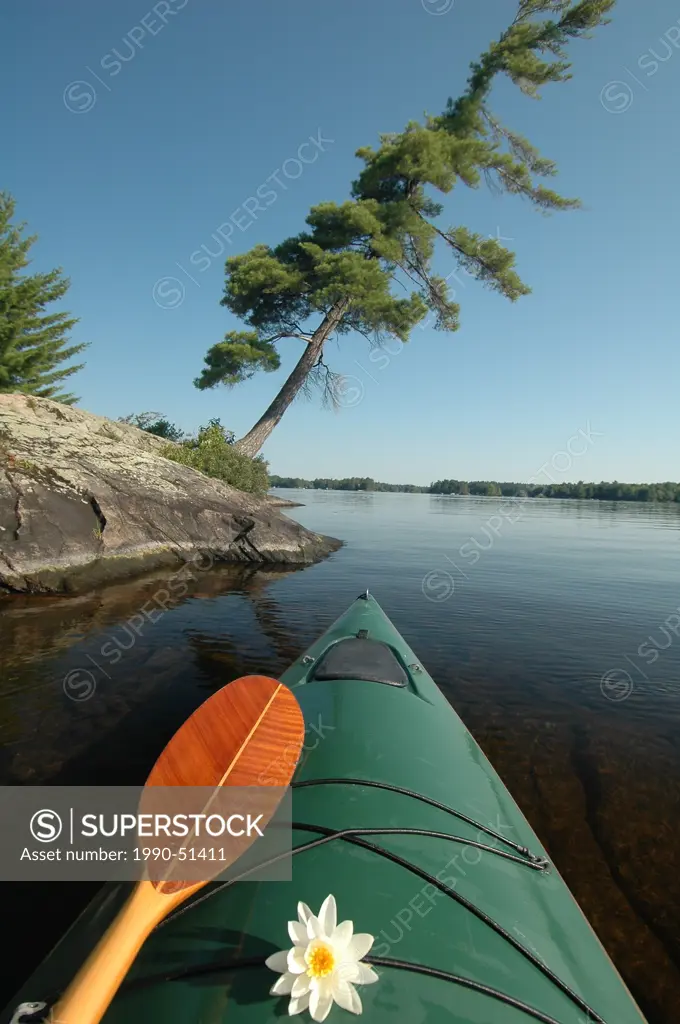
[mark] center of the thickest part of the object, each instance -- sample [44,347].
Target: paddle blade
[231,761]
[236,737]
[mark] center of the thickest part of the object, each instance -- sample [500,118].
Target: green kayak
[398,815]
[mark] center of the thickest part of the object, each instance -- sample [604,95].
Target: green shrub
[154,423]
[212,452]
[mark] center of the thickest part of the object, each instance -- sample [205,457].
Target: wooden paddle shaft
[91,991]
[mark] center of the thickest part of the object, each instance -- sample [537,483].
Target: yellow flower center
[320,960]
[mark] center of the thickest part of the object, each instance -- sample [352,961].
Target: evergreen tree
[337,277]
[33,342]
[154,423]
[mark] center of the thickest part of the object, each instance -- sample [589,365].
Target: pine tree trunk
[251,442]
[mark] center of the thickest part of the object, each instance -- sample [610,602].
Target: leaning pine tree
[339,276]
[33,342]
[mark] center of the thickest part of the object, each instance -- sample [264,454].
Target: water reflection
[76,670]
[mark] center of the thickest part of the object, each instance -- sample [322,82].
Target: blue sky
[134,133]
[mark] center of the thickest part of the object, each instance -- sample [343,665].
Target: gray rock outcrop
[84,499]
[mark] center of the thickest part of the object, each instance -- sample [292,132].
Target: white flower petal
[278,961]
[320,1002]
[366,975]
[346,996]
[283,986]
[314,928]
[328,915]
[298,1005]
[296,960]
[298,933]
[356,972]
[300,986]
[342,935]
[348,970]
[359,946]
[304,913]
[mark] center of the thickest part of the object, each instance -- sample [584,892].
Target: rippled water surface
[551,626]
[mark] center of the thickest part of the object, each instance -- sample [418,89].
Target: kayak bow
[400,816]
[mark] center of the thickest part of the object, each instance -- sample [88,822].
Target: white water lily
[324,964]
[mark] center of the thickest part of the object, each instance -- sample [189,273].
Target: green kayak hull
[476,909]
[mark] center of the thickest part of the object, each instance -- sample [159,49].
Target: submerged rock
[84,500]
[278,502]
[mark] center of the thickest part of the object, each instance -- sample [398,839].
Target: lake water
[550,625]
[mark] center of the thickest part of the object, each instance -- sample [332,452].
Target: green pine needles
[365,265]
[33,342]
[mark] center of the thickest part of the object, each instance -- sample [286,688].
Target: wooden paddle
[233,739]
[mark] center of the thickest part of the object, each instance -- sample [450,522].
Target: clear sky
[125,163]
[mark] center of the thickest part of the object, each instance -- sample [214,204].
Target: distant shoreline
[667,492]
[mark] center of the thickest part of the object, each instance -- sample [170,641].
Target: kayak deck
[472,924]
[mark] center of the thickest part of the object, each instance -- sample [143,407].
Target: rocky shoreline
[85,500]
[277,502]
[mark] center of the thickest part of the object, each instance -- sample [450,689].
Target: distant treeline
[603,491]
[350,483]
